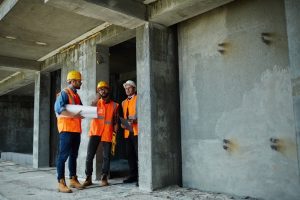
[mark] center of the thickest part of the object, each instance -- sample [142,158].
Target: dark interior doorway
[122,68]
[55,89]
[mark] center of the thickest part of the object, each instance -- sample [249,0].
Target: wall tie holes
[266,38]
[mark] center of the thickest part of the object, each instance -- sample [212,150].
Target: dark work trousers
[132,151]
[91,151]
[68,148]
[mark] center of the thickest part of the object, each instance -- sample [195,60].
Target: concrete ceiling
[39,29]
[33,30]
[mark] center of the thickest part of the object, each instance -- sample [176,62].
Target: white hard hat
[129,82]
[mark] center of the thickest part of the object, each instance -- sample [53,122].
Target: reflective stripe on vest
[130,105]
[68,124]
[103,124]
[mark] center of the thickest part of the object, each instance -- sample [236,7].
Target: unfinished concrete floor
[22,183]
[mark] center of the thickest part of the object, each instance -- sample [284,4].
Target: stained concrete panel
[235,85]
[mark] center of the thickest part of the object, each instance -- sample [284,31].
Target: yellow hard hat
[102,84]
[74,75]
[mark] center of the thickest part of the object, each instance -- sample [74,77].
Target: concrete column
[41,129]
[292,8]
[158,107]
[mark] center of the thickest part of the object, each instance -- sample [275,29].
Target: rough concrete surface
[239,94]
[19,182]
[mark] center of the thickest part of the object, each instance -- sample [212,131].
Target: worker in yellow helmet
[69,127]
[101,130]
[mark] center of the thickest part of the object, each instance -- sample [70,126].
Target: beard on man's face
[104,95]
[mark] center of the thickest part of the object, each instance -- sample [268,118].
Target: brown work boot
[88,181]
[62,187]
[104,181]
[74,183]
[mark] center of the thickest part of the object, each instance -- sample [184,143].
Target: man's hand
[132,121]
[95,101]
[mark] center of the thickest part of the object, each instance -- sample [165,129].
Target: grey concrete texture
[41,128]
[19,63]
[17,158]
[19,182]
[235,84]
[6,7]
[293,30]
[158,107]
[19,79]
[16,125]
[33,21]
[169,12]
[113,12]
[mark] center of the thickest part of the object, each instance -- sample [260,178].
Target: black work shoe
[130,179]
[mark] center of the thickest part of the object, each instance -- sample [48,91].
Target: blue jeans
[68,148]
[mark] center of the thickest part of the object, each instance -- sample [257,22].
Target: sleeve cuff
[61,109]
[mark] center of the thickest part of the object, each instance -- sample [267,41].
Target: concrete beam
[114,35]
[108,11]
[19,63]
[108,37]
[77,40]
[169,12]
[6,6]
[15,81]
[127,7]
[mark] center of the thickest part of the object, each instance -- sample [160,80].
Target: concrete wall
[292,8]
[16,125]
[18,158]
[235,84]
[158,107]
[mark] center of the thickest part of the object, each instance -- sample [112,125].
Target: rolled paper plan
[86,111]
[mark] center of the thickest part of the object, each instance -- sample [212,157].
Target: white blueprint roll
[86,111]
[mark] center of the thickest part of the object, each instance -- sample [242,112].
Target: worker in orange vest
[129,106]
[69,128]
[101,130]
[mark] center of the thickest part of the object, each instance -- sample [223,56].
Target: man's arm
[60,106]
[116,119]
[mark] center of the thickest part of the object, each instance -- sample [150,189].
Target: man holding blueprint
[69,128]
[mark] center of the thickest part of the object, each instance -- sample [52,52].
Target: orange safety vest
[104,126]
[69,124]
[130,106]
